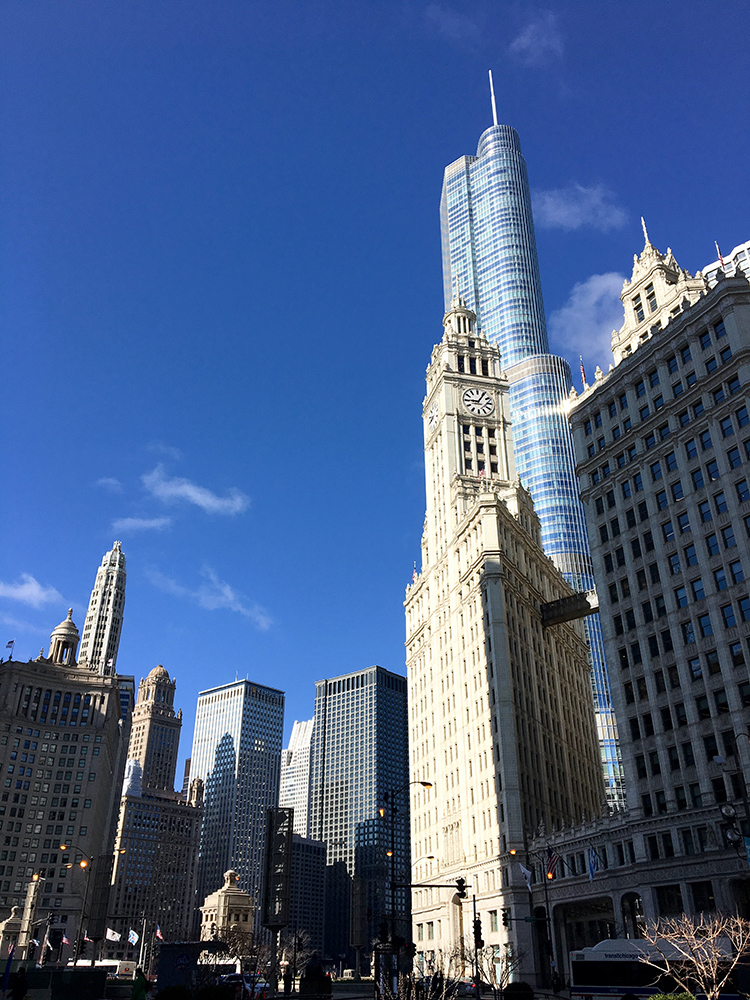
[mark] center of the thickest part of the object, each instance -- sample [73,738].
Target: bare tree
[699,953]
[497,965]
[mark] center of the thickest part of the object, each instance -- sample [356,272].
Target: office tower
[294,791]
[663,442]
[307,903]
[500,710]
[155,731]
[156,848]
[490,259]
[237,754]
[103,624]
[359,764]
[62,750]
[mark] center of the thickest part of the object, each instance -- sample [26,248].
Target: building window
[703,897]
[669,900]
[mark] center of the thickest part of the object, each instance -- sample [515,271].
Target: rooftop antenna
[494,106]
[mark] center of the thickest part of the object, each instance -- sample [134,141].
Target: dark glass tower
[359,763]
[490,259]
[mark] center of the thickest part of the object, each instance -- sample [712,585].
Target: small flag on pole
[593,863]
[132,937]
[11,644]
[552,859]
[65,939]
[86,938]
[718,254]
[583,371]
[6,974]
[112,935]
[158,934]
[526,874]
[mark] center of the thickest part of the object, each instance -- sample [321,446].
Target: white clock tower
[500,717]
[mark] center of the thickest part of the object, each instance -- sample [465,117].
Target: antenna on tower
[492,95]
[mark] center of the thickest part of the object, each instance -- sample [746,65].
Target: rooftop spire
[645,231]
[492,96]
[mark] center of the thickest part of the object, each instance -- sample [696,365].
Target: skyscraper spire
[103,625]
[494,106]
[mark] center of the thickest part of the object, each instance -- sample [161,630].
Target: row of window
[682,356]
[675,716]
[670,529]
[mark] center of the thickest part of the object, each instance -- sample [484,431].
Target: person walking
[140,986]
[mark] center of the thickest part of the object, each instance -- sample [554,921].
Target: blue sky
[220,285]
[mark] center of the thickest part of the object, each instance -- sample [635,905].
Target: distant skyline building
[294,791]
[359,759]
[63,753]
[307,902]
[490,260]
[237,754]
[153,884]
[102,627]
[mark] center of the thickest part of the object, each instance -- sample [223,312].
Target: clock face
[433,416]
[479,402]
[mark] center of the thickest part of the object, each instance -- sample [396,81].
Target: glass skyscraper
[359,760]
[490,259]
[237,755]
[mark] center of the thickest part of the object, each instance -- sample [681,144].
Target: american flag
[158,933]
[65,939]
[583,372]
[552,860]
[718,254]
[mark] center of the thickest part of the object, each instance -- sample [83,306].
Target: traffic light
[478,942]
[461,888]
[506,918]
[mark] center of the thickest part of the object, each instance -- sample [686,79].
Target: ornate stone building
[63,745]
[663,447]
[500,715]
[158,833]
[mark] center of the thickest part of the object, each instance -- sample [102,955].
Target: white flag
[113,935]
[526,874]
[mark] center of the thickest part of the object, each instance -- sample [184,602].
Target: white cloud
[576,206]
[585,323]
[141,523]
[213,596]
[110,483]
[456,27]
[30,591]
[159,448]
[178,489]
[540,42]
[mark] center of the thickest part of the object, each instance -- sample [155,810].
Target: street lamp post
[390,801]
[86,864]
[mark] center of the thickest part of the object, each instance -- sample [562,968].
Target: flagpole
[143,940]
